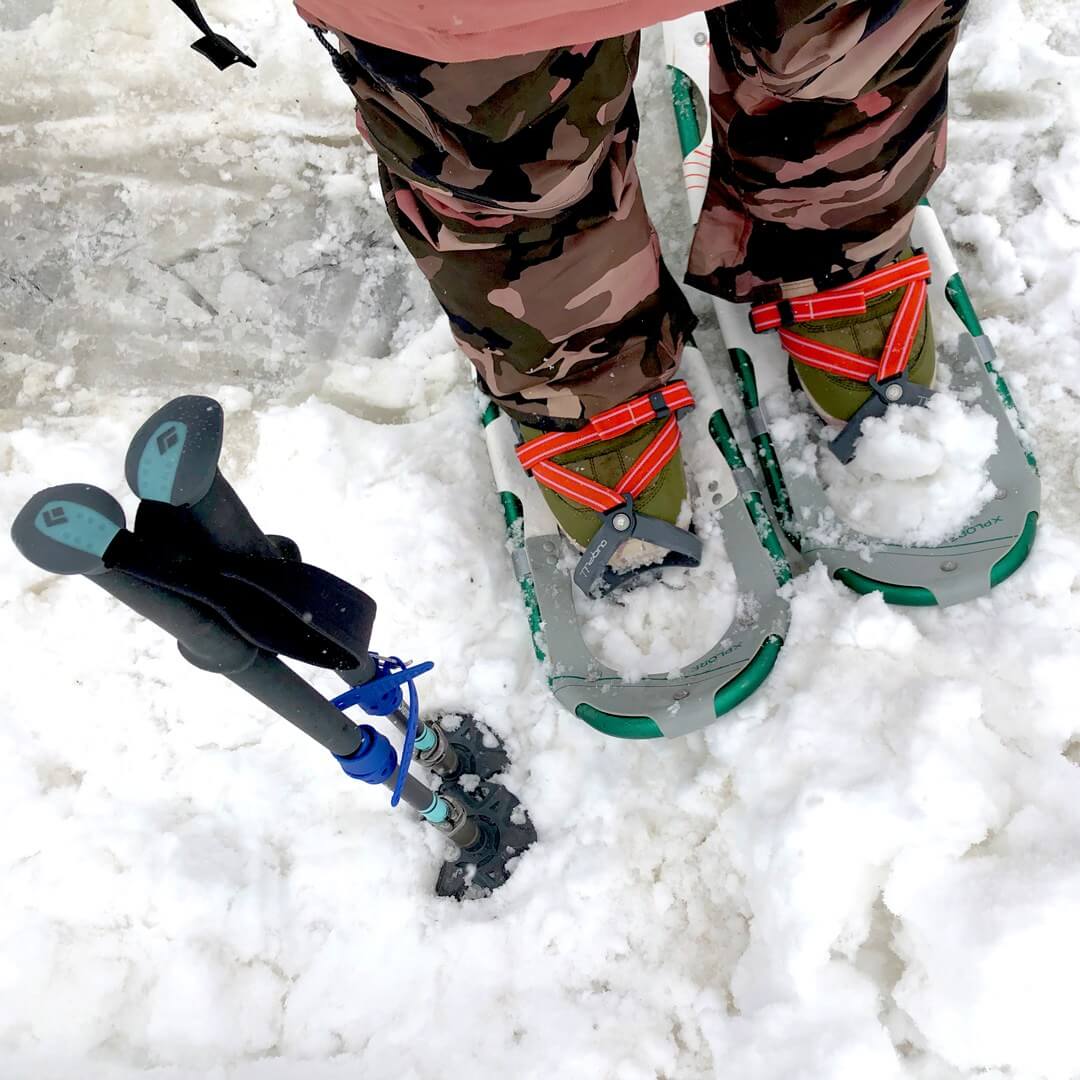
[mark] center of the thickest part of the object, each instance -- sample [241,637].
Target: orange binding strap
[851,299]
[536,454]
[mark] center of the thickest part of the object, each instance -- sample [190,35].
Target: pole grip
[173,459]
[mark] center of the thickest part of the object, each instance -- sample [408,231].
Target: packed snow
[867,871]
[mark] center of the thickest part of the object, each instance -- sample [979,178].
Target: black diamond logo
[55,516]
[167,440]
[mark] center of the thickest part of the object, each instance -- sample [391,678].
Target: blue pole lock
[374,761]
[382,695]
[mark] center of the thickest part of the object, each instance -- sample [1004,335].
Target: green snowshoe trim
[746,378]
[514,516]
[961,303]
[750,678]
[622,727]
[686,121]
[958,298]
[724,437]
[725,699]
[1012,560]
[901,595]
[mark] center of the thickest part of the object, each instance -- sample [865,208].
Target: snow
[868,870]
[659,626]
[918,475]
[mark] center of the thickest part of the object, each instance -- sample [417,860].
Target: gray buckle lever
[593,573]
[898,390]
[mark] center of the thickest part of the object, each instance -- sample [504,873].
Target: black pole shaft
[212,645]
[292,697]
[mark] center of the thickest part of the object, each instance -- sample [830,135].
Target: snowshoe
[550,571]
[986,549]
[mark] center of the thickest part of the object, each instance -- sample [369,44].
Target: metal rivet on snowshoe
[680,694]
[713,485]
[552,560]
[717,499]
[949,565]
[1001,494]
[894,392]
[700,38]
[549,545]
[620,522]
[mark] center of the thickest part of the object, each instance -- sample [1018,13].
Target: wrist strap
[220,51]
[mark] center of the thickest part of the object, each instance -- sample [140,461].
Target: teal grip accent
[159,461]
[438,811]
[77,527]
[425,740]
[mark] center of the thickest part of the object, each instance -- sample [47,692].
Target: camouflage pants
[512,183]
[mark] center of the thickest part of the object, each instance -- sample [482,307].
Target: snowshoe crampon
[982,552]
[662,704]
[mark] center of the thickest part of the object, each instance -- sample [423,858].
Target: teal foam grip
[438,811]
[425,740]
[159,461]
[77,527]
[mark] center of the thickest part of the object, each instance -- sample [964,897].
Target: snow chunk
[992,953]
[919,473]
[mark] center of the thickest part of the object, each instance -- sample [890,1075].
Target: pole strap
[219,50]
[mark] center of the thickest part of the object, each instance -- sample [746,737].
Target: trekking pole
[173,466]
[199,567]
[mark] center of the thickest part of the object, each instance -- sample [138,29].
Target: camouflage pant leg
[512,183]
[829,127]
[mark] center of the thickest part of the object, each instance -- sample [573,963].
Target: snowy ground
[868,872]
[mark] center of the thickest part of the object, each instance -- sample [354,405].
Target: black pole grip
[173,459]
[68,528]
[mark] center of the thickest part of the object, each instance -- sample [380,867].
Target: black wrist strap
[220,51]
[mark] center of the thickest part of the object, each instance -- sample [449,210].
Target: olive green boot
[606,463]
[835,397]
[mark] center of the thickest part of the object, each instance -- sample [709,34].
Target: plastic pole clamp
[374,761]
